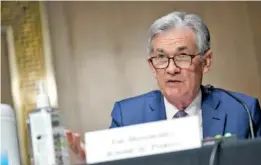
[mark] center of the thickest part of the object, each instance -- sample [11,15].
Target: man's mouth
[173,81]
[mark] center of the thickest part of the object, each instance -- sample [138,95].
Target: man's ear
[151,67]
[207,61]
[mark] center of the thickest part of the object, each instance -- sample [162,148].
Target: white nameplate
[143,139]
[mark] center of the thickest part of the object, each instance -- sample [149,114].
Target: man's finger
[76,142]
[82,152]
[69,137]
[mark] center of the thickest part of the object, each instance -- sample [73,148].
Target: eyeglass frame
[169,58]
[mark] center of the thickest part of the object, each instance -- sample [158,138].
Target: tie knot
[180,114]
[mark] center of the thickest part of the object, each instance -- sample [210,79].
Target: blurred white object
[47,135]
[9,140]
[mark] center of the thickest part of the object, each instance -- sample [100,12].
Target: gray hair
[181,19]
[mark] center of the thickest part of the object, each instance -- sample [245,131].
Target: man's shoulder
[227,98]
[140,97]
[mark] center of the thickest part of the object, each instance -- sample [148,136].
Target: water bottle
[9,141]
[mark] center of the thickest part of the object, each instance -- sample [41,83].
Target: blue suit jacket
[220,113]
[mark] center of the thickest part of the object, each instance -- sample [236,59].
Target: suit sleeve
[257,118]
[116,116]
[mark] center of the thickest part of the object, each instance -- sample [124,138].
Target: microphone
[209,88]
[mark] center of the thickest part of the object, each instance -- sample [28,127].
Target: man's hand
[75,144]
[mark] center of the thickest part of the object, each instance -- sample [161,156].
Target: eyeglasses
[182,60]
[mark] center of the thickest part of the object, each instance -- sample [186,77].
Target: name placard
[142,139]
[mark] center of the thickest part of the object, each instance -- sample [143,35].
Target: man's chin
[173,93]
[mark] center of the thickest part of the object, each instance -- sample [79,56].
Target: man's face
[179,82]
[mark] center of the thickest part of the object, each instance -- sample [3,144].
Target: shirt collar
[193,109]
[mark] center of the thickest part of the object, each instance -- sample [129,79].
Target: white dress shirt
[193,109]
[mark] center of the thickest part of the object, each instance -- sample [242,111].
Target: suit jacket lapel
[213,118]
[156,109]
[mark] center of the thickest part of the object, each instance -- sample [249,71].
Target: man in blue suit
[179,56]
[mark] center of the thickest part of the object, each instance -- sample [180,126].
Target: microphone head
[208,88]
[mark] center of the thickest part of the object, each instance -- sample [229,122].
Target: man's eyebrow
[181,48]
[160,50]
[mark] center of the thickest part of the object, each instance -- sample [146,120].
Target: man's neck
[182,103]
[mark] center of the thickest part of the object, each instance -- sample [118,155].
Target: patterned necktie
[180,114]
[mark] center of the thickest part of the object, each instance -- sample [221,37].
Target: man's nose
[172,68]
